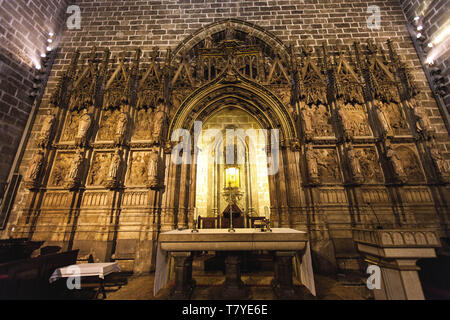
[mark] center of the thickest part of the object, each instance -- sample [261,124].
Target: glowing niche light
[232,179]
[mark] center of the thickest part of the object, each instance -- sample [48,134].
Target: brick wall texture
[435,18]
[128,24]
[24,28]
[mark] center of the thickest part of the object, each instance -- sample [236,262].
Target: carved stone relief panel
[61,168]
[108,125]
[143,124]
[137,169]
[319,119]
[370,165]
[397,121]
[96,199]
[358,123]
[411,164]
[98,174]
[71,126]
[328,163]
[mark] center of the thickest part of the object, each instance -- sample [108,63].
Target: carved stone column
[282,283]
[184,284]
[233,287]
[395,252]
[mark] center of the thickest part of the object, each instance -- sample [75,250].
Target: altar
[284,244]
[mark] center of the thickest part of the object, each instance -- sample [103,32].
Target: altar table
[283,242]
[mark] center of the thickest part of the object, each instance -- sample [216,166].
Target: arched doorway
[232,130]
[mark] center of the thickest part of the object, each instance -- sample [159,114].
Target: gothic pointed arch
[230,88]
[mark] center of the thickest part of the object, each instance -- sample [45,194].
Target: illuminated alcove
[232,130]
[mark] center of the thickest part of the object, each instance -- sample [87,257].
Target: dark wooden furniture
[251,221]
[17,249]
[29,278]
[208,222]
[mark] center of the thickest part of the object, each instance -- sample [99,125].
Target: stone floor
[141,288]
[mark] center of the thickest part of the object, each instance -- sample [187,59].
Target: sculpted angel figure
[354,163]
[115,165]
[46,130]
[423,122]
[439,161]
[209,42]
[76,164]
[311,161]
[121,129]
[382,119]
[83,128]
[306,120]
[152,173]
[396,164]
[229,33]
[35,167]
[159,121]
[345,120]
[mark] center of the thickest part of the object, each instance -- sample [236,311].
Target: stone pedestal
[395,252]
[233,287]
[283,284]
[184,284]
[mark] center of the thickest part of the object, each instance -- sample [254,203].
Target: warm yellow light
[232,177]
[442,35]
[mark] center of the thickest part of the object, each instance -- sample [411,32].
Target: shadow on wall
[434,274]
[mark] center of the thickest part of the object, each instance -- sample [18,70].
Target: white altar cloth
[100,270]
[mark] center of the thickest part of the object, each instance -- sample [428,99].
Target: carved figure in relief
[346,123]
[311,161]
[159,122]
[121,129]
[153,169]
[369,164]
[46,130]
[209,42]
[354,164]
[83,128]
[306,120]
[440,162]
[73,176]
[229,32]
[114,169]
[34,170]
[396,164]
[423,123]
[385,128]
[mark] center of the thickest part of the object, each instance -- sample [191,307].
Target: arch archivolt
[258,101]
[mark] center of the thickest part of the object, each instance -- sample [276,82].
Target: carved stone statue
[46,130]
[73,177]
[34,170]
[423,123]
[385,128]
[396,164]
[346,124]
[355,166]
[121,129]
[83,128]
[209,42]
[306,120]
[311,161]
[153,169]
[159,121]
[114,169]
[229,32]
[440,162]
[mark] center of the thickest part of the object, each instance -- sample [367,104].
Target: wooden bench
[28,278]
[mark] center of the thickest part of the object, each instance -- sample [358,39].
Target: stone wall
[434,16]
[24,29]
[146,24]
